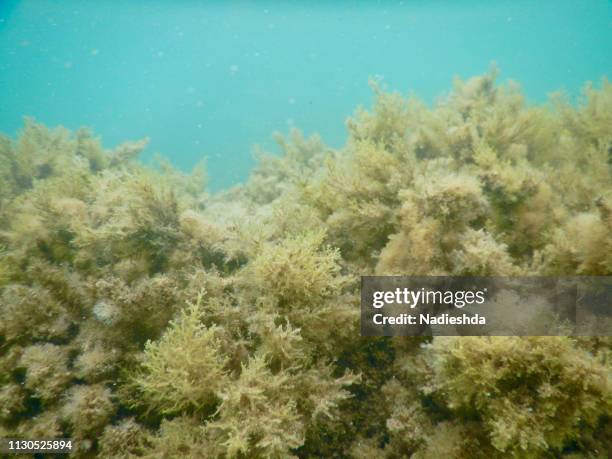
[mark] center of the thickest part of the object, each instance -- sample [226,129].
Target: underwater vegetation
[143,317]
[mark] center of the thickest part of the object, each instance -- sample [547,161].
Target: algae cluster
[145,318]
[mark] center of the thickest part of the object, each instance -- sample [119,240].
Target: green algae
[146,318]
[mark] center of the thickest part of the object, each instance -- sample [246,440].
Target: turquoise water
[214,78]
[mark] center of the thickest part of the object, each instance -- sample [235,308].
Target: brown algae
[143,317]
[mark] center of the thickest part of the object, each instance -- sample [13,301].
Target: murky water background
[214,78]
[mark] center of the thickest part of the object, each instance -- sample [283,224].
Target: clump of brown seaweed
[145,318]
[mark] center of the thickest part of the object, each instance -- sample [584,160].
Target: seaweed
[147,317]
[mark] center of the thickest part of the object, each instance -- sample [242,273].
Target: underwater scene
[191,192]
